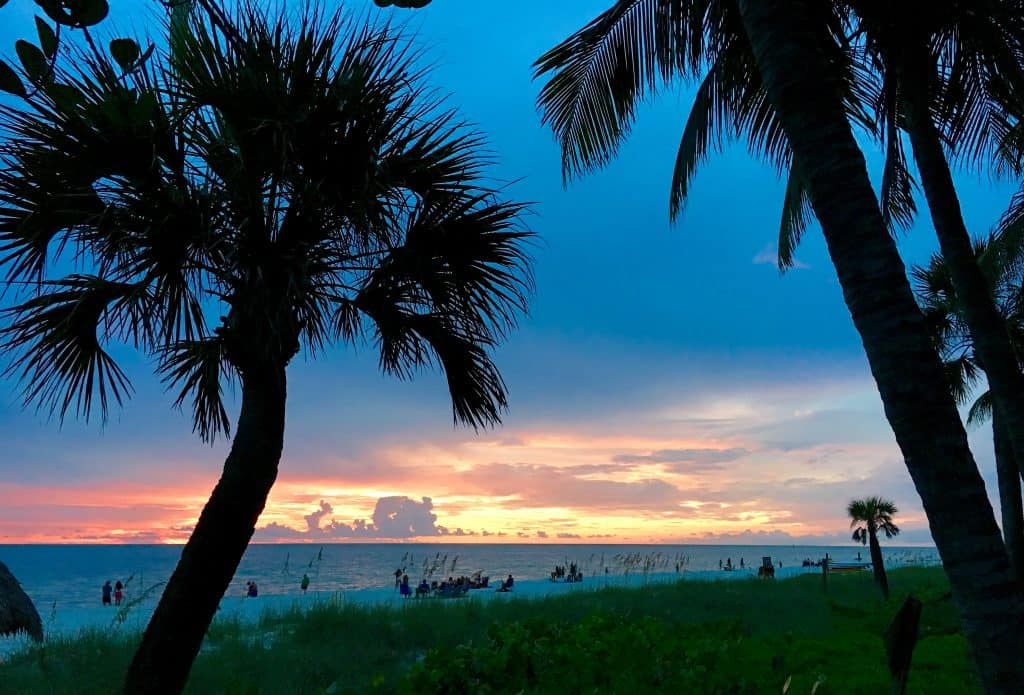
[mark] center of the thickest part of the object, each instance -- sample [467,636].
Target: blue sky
[643,337]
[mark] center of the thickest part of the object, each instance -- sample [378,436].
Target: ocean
[70,576]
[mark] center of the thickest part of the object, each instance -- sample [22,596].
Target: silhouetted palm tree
[602,71]
[939,301]
[869,517]
[287,186]
[947,69]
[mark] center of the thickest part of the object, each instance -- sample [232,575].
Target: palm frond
[1009,232]
[796,215]
[981,61]
[718,107]
[981,410]
[56,342]
[409,341]
[872,511]
[448,294]
[602,71]
[198,369]
[896,196]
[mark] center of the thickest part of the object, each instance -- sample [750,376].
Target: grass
[757,634]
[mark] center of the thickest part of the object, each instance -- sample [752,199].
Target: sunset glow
[668,385]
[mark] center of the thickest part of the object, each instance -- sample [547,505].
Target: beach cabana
[16,610]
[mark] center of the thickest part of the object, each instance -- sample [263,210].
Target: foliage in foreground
[601,654]
[728,637]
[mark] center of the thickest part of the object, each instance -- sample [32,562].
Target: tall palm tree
[289,186]
[869,517]
[602,71]
[938,299]
[946,68]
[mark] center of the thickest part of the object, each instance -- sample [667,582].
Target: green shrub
[602,653]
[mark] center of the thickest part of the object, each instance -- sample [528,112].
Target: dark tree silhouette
[799,58]
[275,184]
[938,299]
[869,517]
[17,612]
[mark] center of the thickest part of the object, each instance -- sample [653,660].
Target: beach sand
[66,622]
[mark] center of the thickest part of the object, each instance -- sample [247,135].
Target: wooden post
[900,639]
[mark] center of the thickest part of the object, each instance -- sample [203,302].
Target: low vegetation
[752,636]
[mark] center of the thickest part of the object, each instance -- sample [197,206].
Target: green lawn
[728,637]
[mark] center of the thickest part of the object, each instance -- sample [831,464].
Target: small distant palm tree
[869,517]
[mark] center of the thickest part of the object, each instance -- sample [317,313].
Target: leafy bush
[603,653]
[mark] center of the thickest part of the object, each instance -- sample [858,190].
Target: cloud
[686,460]
[402,517]
[393,518]
[685,456]
[539,485]
[568,535]
[313,520]
[542,534]
[769,255]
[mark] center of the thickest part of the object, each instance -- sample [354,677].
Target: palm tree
[946,72]
[869,517]
[274,189]
[938,299]
[605,68]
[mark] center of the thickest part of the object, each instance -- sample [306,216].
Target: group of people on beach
[451,587]
[253,591]
[573,575]
[116,592]
[728,566]
[820,563]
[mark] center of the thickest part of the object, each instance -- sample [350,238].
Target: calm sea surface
[71,575]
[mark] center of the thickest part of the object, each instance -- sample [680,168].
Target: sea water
[71,576]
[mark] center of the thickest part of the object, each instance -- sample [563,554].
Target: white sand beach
[66,622]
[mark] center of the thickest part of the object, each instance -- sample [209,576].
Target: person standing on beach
[118,592]
[305,582]
[106,593]
[398,578]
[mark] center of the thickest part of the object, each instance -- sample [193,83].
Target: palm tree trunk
[792,59]
[211,556]
[877,562]
[1009,495]
[987,327]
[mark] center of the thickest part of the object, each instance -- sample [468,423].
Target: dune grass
[745,636]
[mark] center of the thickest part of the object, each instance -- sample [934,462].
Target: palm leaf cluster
[636,48]
[288,186]
[872,515]
[1000,262]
